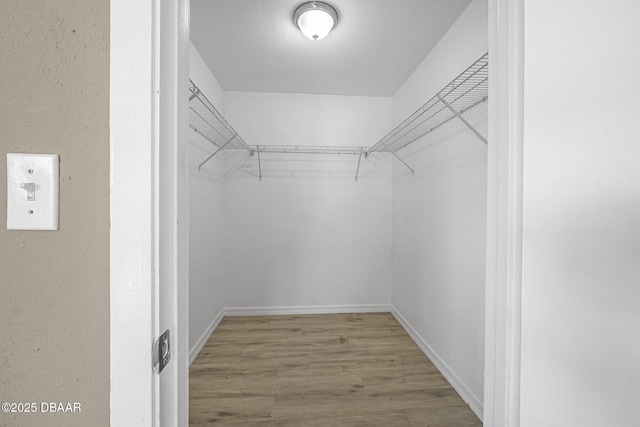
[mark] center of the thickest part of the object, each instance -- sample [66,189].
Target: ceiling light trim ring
[315,6]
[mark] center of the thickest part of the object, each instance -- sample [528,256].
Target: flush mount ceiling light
[315,19]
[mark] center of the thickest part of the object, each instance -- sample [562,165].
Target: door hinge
[161,352]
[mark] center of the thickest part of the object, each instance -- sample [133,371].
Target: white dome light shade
[315,24]
[315,19]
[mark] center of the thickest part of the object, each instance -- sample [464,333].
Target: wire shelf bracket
[259,162]
[467,124]
[207,121]
[359,160]
[467,90]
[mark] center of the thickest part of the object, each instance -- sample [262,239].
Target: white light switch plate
[33,185]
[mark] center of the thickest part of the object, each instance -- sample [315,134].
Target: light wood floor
[319,370]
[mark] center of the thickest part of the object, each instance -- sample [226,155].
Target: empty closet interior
[314,197]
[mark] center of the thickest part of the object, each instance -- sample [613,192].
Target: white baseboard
[197,348]
[307,309]
[467,395]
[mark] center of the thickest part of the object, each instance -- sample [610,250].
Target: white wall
[439,215]
[581,252]
[310,236]
[464,42]
[201,75]
[301,119]
[206,218]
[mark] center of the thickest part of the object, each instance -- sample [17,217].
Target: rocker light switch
[32,191]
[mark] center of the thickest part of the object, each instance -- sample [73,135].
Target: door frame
[149,42]
[136,238]
[503,283]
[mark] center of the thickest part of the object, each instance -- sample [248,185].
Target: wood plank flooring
[319,370]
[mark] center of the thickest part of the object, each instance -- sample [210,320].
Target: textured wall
[54,285]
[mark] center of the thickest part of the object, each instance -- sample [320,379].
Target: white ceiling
[253,45]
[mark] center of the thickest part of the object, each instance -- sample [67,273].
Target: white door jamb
[148,52]
[504,214]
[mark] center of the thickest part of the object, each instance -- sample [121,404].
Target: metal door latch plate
[161,352]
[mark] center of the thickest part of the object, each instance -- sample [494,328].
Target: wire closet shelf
[309,151]
[463,93]
[208,122]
